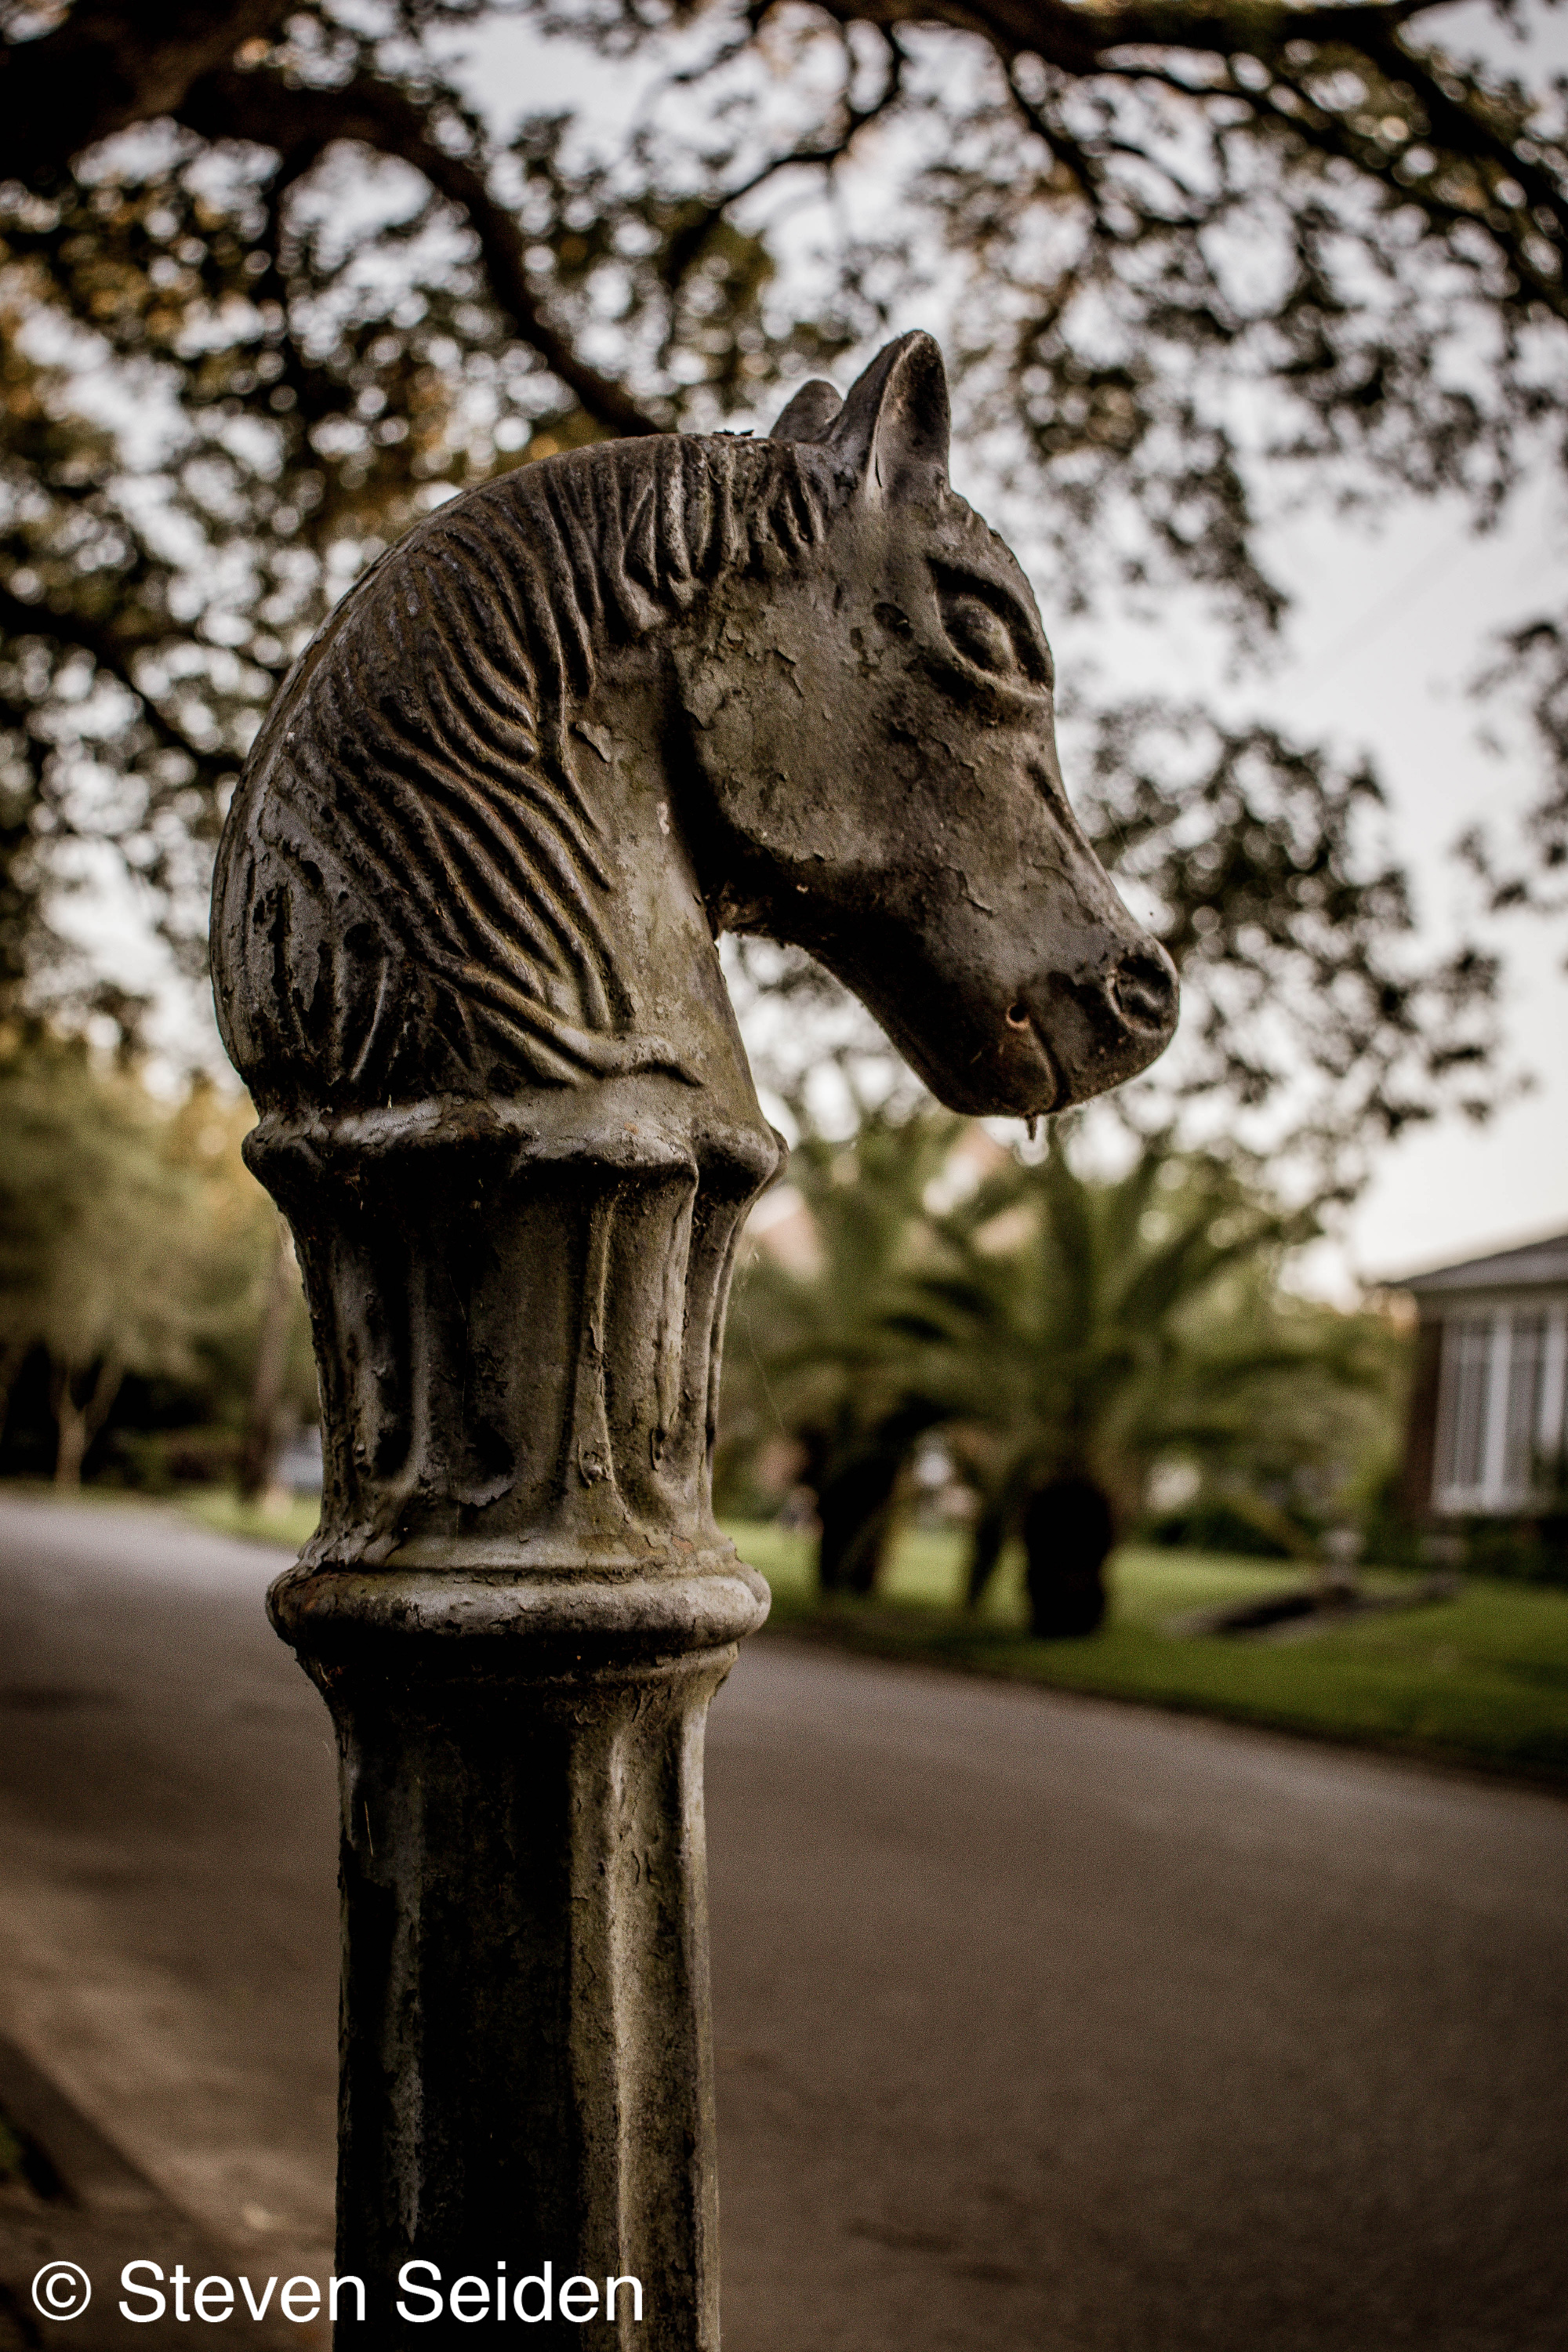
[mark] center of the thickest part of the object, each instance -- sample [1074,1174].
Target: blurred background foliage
[936,1329]
[139,1279]
[928,1329]
[276,278]
[274,282]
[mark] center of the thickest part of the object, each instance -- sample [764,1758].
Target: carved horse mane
[415,828]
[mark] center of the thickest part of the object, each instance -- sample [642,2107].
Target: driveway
[1041,2021]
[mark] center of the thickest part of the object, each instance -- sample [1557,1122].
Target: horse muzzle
[1096,1030]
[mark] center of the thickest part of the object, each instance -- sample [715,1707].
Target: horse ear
[895,428]
[809,415]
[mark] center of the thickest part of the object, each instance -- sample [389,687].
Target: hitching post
[526,2069]
[573,726]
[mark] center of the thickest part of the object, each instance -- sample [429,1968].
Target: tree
[1155,212]
[1532,872]
[1074,1331]
[280,1317]
[251,1340]
[97,1227]
[132,1241]
[798,1362]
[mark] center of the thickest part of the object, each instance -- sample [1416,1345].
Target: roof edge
[1497,1267]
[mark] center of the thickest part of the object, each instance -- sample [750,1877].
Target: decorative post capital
[516,1312]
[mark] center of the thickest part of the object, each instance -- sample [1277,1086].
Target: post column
[518,1610]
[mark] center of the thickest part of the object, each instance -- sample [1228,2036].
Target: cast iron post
[574,724]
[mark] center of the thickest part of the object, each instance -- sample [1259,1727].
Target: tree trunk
[856,1501]
[985,1550]
[13,1356]
[1068,1534]
[855,1507]
[260,1446]
[79,1424]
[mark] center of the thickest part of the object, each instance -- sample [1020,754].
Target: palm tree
[805,1354]
[1072,1332]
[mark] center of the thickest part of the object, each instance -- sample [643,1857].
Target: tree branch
[19,619]
[1465,131]
[110,64]
[1463,124]
[263,108]
[1078,38]
[822,153]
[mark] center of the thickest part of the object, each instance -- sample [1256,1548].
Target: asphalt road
[1041,2022]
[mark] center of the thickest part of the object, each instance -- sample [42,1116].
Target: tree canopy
[273,282]
[132,1240]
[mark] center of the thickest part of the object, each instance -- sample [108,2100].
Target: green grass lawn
[1482,1680]
[215,1507]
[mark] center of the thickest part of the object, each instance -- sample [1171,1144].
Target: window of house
[1462,1413]
[1501,1408]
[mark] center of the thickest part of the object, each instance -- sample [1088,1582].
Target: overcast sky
[1385,634]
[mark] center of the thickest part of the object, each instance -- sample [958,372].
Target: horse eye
[979,634]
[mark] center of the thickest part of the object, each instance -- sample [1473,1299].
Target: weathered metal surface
[571,727]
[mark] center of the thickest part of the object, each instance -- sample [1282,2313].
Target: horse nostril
[1143,989]
[1017,1016]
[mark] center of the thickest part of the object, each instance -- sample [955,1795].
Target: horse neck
[622,733]
[518,1308]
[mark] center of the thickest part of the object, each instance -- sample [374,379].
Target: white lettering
[286,2300]
[219,2287]
[214,2299]
[541,2279]
[463,2291]
[410,2285]
[141,2318]
[333,2288]
[572,2295]
[611,2288]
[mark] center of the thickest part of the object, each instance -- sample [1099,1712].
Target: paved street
[1041,2022]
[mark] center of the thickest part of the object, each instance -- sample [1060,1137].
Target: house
[1488,1422]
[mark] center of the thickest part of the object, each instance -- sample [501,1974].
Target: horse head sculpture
[572,726]
[880,782]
